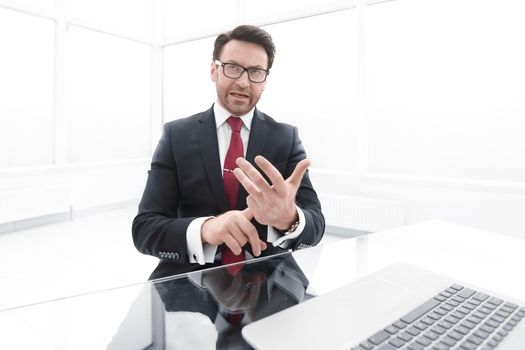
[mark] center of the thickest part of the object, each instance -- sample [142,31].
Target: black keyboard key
[451,319]
[469,306]
[379,337]
[495,301]
[463,330]
[456,287]
[367,345]
[468,324]
[447,307]
[440,311]
[492,323]
[479,314]
[489,306]
[413,331]
[431,335]
[475,340]
[400,324]
[498,319]
[474,319]
[439,330]
[434,315]
[480,296]
[487,328]
[468,346]
[406,337]
[421,326]
[392,330]
[396,342]
[506,309]
[511,305]
[481,334]
[415,346]
[466,293]
[458,299]
[440,298]
[452,303]
[448,341]
[424,341]
[503,314]
[440,346]
[445,294]
[455,335]
[457,314]
[428,321]
[420,311]
[445,324]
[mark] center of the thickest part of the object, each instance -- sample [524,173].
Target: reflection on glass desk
[207,309]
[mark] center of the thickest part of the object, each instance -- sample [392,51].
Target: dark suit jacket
[185,182]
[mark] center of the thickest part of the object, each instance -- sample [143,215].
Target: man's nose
[243,80]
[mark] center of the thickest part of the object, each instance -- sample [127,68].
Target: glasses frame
[222,64]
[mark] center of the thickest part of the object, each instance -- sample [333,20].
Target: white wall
[412,100]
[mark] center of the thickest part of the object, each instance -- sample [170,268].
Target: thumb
[298,173]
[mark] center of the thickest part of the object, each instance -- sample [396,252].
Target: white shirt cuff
[198,252]
[283,241]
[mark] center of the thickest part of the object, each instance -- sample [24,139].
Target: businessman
[229,183]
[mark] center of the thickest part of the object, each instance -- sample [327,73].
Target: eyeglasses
[234,71]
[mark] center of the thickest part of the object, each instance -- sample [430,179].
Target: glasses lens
[257,75]
[232,70]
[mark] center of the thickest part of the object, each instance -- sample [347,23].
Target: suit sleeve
[157,230]
[306,199]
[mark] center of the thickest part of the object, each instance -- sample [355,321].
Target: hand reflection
[235,295]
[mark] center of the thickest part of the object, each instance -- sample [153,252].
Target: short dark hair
[248,33]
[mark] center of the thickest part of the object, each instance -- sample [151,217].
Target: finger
[239,236]
[248,185]
[253,174]
[273,174]
[251,234]
[263,245]
[247,213]
[253,205]
[298,173]
[232,244]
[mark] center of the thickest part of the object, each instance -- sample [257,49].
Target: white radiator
[361,213]
[33,202]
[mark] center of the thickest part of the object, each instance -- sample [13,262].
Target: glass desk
[207,309]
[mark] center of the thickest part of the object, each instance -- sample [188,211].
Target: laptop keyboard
[457,318]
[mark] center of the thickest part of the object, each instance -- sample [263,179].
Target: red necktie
[231,185]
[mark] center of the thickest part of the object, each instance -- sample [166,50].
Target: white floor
[87,254]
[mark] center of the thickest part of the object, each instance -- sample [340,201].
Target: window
[446,87]
[26,90]
[107,97]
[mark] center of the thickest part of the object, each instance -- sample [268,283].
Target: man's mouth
[239,95]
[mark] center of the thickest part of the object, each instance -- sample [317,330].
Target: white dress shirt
[205,253]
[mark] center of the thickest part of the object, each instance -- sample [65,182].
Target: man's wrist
[290,225]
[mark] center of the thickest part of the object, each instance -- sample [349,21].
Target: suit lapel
[255,147]
[209,149]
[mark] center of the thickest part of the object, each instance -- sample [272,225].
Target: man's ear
[213,72]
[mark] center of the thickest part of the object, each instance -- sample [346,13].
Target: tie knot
[235,123]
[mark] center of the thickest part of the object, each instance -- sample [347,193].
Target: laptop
[399,307]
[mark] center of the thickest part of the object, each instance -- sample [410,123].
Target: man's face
[239,96]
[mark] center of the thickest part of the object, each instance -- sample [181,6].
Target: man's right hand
[234,229]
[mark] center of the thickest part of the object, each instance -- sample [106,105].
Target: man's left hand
[273,204]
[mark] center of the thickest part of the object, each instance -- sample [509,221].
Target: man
[193,213]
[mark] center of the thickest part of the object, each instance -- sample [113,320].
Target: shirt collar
[221,115]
